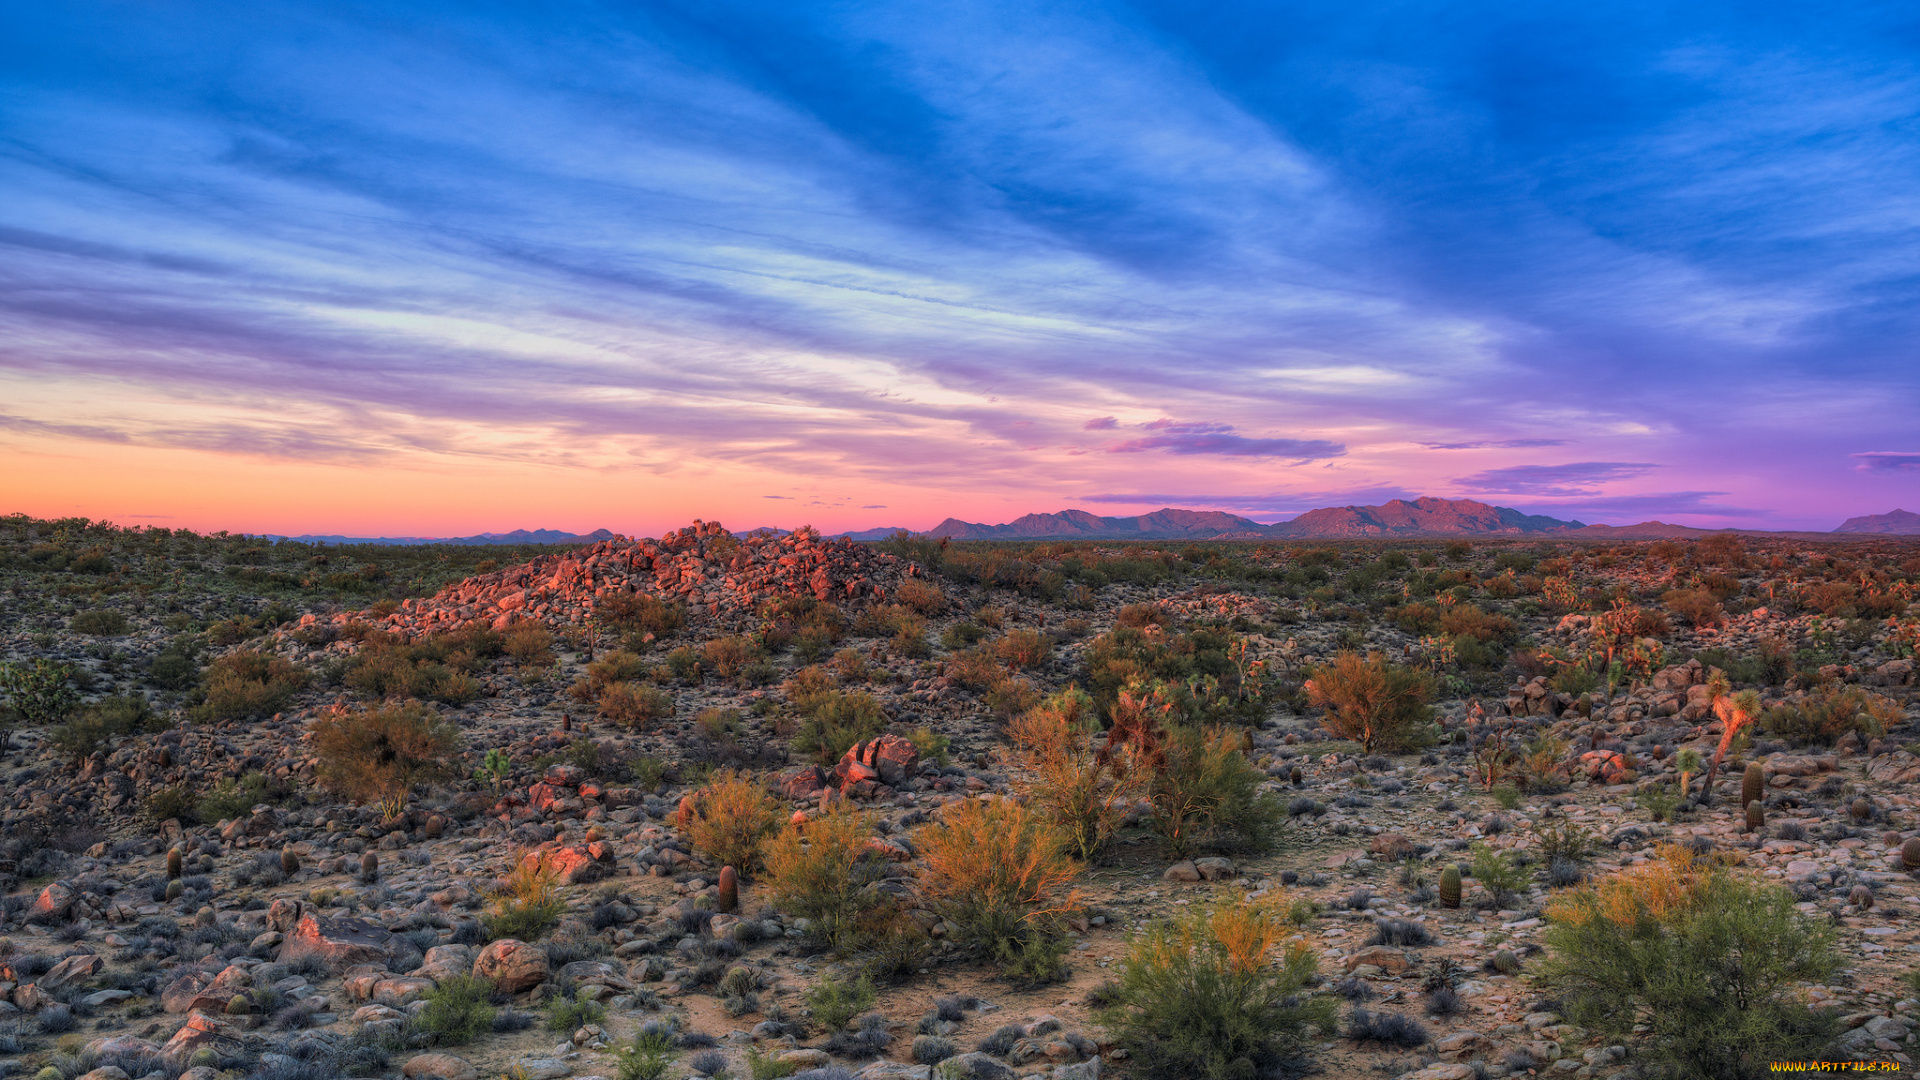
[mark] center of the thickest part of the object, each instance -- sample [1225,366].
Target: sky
[419,269]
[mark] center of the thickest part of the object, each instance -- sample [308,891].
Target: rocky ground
[299,935]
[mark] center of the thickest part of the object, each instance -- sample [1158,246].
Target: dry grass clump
[530,644]
[1023,649]
[377,755]
[731,820]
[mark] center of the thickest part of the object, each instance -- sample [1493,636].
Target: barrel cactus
[369,867]
[1450,887]
[289,861]
[173,864]
[729,898]
[1753,783]
[1910,854]
[1756,816]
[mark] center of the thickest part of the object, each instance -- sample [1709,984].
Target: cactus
[435,826]
[166,758]
[289,861]
[1753,783]
[175,889]
[173,864]
[1861,809]
[1293,776]
[1910,855]
[1756,816]
[1861,897]
[369,867]
[1450,887]
[729,898]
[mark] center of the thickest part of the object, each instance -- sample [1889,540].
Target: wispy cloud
[1887,460]
[1574,478]
[1502,444]
[1220,440]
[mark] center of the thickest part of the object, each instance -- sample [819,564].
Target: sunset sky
[411,269]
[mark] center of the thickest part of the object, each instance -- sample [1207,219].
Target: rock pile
[718,577]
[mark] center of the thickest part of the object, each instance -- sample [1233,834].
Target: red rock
[53,902]
[571,865]
[541,797]
[340,943]
[803,782]
[201,1030]
[512,965]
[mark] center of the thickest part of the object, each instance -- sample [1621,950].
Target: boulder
[1216,868]
[54,902]
[512,965]
[1895,768]
[1184,870]
[339,943]
[571,865]
[179,995]
[1388,959]
[1391,845]
[202,1030]
[72,971]
[888,759]
[438,1067]
[801,783]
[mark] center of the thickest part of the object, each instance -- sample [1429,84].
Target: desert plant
[1686,763]
[1001,873]
[1450,887]
[821,871]
[566,1015]
[634,705]
[727,896]
[248,686]
[494,768]
[1700,961]
[1753,783]
[1910,854]
[101,622]
[529,643]
[41,692]
[646,1056]
[1086,791]
[1207,795]
[458,1011]
[1372,701]
[1497,873]
[836,721]
[836,1002]
[1021,649]
[1219,991]
[731,820]
[1756,816]
[379,754]
[1697,606]
[1829,712]
[527,904]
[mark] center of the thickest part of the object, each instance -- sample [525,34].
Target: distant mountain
[517,536]
[1421,517]
[1166,524]
[1645,530]
[1898,523]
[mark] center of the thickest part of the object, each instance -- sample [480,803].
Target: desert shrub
[1001,873]
[1022,649]
[835,721]
[822,871]
[920,595]
[1009,697]
[458,1011]
[527,905]
[729,657]
[731,820]
[975,669]
[1497,873]
[961,635]
[97,726]
[377,755]
[634,705]
[173,667]
[1391,1029]
[101,622]
[1372,701]
[1206,794]
[615,667]
[248,686]
[642,615]
[1828,712]
[1697,606]
[1219,991]
[1468,620]
[231,798]
[646,1056]
[1829,597]
[1085,791]
[836,1002]
[566,1015]
[530,644]
[1706,960]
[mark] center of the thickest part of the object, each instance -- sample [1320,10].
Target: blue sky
[277,266]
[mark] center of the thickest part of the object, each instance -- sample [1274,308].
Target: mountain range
[1397,518]
[1400,517]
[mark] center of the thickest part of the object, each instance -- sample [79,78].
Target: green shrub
[647,1056]
[173,802]
[1002,874]
[567,1015]
[1204,996]
[231,799]
[1498,874]
[1706,960]
[104,622]
[527,906]
[457,1011]
[1829,712]
[41,691]
[377,755]
[96,727]
[835,1003]
[836,721]
[1206,795]
[248,686]
[823,871]
[731,820]
[641,615]
[1374,702]
[174,667]
[633,705]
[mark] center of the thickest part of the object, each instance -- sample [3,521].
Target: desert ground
[778,805]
